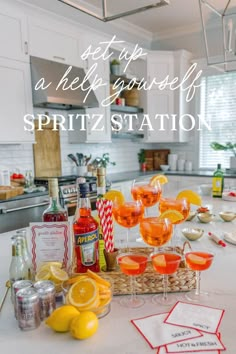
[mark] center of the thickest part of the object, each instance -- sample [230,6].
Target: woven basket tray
[150,281]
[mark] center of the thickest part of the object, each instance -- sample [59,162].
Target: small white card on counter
[208,342]
[158,333]
[203,318]
[163,350]
[50,242]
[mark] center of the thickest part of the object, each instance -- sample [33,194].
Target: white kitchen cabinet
[53,44]
[160,102]
[15,101]
[160,64]
[13,35]
[93,43]
[89,133]
[166,101]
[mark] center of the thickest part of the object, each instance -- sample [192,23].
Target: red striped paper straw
[109,221]
[102,216]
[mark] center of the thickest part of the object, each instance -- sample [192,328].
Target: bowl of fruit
[89,292]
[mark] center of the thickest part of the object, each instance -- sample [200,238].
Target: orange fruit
[97,278]
[160,178]
[191,196]
[115,196]
[83,293]
[172,215]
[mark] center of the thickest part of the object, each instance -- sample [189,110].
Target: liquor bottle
[101,190]
[85,229]
[21,234]
[101,182]
[218,182]
[18,268]
[54,212]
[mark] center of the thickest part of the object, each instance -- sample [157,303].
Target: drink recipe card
[50,242]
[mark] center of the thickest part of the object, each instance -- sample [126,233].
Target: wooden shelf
[127,135]
[126,109]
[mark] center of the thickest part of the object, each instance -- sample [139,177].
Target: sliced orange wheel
[160,178]
[196,259]
[115,196]
[75,279]
[159,260]
[173,215]
[98,279]
[84,293]
[191,196]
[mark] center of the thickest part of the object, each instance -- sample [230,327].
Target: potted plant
[227,147]
[115,67]
[141,160]
[103,161]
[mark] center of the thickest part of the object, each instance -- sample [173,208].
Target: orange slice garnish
[191,196]
[160,178]
[173,215]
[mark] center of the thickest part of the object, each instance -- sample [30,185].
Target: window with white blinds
[218,107]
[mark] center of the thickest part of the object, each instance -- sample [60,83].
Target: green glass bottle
[218,182]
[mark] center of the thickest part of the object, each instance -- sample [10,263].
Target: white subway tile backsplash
[123,152]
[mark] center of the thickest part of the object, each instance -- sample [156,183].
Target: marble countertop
[116,334]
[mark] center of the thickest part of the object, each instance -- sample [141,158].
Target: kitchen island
[116,334]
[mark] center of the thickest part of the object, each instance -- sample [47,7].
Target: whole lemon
[60,319]
[84,325]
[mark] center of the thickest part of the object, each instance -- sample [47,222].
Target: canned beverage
[28,309]
[18,285]
[47,297]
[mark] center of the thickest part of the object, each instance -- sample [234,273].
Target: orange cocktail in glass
[165,262]
[128,214]
[148,193]
[198,261]
[155,231]
[132,264]
[181,205]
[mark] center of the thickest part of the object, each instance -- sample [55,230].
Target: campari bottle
[86,237]
[55,212]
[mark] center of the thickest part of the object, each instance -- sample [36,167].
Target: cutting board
[47,152]
[7,192]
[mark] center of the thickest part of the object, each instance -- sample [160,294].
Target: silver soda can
[28,309]
[46,291]
[18,285]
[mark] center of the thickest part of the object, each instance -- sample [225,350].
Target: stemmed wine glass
[181,205]
[132,264]
[198,261]
[165,262]
[148,193]
[128,214]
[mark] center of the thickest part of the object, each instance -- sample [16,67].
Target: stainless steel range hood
[54,96]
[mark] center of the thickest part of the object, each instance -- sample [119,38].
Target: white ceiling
[179,15]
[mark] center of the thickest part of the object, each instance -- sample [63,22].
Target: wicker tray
[150,281]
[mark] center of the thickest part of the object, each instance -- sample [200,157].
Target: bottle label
[87,245]
[217,185]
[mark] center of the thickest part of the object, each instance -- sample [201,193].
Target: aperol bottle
[86,236]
